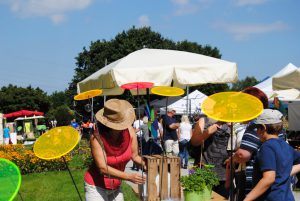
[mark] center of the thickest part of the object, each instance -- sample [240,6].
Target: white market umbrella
[160,67]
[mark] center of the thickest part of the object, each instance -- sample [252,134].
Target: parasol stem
[72,178]
[231,163]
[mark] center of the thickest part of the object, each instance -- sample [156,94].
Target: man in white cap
[275,162]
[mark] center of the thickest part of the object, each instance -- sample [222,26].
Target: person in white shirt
[184,135]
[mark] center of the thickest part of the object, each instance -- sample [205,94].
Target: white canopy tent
[290,80]
[195,99]
[161,67]
[266,85]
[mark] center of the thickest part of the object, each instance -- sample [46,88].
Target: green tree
[244,83]
[59,98]
[103,52]
[13,98]
[63,114]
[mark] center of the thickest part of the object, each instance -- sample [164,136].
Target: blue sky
[39,39]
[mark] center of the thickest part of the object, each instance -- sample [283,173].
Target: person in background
[169,133]
[6,134]
[85,129]
[275,162]
[146,137]
[213,137]
[184,133]
[113,144]
[74,124]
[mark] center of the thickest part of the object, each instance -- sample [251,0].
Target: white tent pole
[187,100]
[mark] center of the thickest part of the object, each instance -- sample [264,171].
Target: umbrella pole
[187,100]
[231,163]
[141,136]
[72,178]
[164,150]
[20,195]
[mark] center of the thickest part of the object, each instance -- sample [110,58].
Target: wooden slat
[151,184]
[175,176]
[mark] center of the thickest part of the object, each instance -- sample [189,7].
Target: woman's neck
[115,134]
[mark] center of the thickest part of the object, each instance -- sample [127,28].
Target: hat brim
[128,119]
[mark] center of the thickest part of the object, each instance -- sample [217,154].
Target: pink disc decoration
[137,85]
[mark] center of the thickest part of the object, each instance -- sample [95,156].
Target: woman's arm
[295,169]
[100,161]
[262,186]
[199,135]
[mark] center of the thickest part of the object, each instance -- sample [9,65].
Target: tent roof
[266,85]
[195,99]
[22,113]
[289,80]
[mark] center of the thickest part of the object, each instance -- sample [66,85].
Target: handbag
[9,141]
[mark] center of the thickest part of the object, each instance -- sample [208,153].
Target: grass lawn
[58,186]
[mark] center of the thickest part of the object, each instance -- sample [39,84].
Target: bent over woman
[113,144]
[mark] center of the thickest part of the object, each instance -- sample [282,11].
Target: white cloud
[54,9]
[249,2]
[185,7]
[180,2]
[245,31]
[57,19]
[143,21]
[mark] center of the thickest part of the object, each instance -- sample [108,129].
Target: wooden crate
[161,166]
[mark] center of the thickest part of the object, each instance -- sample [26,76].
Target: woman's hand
[136,178]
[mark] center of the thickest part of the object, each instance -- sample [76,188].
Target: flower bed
[26,160]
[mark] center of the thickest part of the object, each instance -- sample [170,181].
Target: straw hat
[116,114]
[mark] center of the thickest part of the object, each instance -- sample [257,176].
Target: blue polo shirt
[276,155]
[6,133]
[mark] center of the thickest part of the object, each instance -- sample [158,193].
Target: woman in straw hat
[113,144]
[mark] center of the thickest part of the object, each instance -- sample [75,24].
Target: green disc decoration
[10,180]
[167,91]
[56,142]
[232,106]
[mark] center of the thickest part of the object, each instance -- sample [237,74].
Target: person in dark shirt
[169,133]
[275,162]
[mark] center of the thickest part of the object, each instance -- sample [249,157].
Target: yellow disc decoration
[88,94]
[232,107]
[10,180]
[167,91]
[56,142]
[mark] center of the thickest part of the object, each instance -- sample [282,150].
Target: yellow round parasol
[56,142]
[167,91]
[232,106]
[88,94]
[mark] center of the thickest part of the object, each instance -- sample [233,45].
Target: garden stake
[72,178]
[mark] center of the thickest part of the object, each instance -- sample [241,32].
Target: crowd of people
[262,160]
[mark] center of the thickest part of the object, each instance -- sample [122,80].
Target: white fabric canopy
[195,99]
[290,80]
[266,85]
[160,67]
